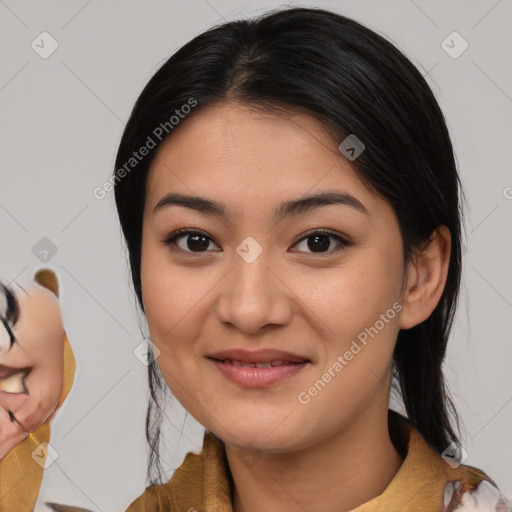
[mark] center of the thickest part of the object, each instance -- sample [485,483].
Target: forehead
[242,156]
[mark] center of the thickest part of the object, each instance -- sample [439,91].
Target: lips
[269,357]
[257,369]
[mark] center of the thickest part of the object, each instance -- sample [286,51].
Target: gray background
[61,121]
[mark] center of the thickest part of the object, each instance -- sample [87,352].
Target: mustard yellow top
[424,483]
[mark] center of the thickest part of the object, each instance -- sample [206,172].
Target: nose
[253,295]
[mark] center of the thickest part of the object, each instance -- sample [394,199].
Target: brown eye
[190,241]
[319,242]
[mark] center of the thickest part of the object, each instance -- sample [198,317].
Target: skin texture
[40,339]
[333,453]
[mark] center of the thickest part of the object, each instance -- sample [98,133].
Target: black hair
[354,81]
[11,313]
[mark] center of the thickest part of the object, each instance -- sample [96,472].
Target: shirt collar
[203,481]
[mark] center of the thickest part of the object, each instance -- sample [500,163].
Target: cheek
[172,300]
[358,307]
[352,297]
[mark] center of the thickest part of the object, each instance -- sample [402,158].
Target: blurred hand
[32,369]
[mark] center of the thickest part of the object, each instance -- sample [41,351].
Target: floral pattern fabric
[484,498]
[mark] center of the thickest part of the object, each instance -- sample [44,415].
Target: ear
[426,278]
[47,278]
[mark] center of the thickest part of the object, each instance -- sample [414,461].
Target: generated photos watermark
[157,135]
[304,397]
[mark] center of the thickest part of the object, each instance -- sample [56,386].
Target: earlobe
[426,278]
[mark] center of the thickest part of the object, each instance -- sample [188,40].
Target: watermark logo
[158,134]
[351,147]
[304,397]
[249,455]
[44,45]
[146,352]
[249,250]
[454,455]
[44,250]
[454,45]
[45,455]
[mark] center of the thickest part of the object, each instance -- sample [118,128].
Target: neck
[338,474]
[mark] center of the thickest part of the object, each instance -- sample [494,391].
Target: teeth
[239,363]
[13,383]
[268,364]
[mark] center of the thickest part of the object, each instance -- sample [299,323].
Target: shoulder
[484,496]
[201,480]
[184,485]
[149,501]
[452,486]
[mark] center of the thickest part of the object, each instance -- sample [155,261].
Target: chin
[260,437]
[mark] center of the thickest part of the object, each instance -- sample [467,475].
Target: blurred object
[41,352]
[47,278]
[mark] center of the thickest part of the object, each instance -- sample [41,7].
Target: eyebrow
[285,209]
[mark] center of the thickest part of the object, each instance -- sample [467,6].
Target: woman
[290,202]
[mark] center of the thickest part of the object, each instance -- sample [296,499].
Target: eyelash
[343,243]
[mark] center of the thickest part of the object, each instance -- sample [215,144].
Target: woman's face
[256,280]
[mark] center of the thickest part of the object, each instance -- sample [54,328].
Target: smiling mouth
[248,374]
